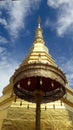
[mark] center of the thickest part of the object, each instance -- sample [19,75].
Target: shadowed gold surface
[51,119]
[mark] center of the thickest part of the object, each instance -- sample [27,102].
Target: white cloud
[67,67]
[49,23]
[70,79]
[65,15]
[6,71]
[17,14]
[7,67]
[3,56]
[17,11]
[2,50]
[0,13]
[58,3]
[3,21]
[3,40]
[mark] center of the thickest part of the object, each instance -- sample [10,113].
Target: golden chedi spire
[38,52]
[38,33]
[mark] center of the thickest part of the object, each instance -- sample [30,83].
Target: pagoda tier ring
[39,79]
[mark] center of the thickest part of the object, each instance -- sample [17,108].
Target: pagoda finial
[39,21]
[38,33]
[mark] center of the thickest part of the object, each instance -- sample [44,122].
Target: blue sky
[18,21]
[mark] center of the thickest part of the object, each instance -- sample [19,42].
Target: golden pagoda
[16,113]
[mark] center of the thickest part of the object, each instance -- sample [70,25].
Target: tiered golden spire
[38,33]
[39,52]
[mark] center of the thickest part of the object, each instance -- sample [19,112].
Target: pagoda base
[20,118]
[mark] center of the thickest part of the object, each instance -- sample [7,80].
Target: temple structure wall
[16,113]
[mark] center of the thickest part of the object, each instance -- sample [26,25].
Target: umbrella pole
[38,114]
